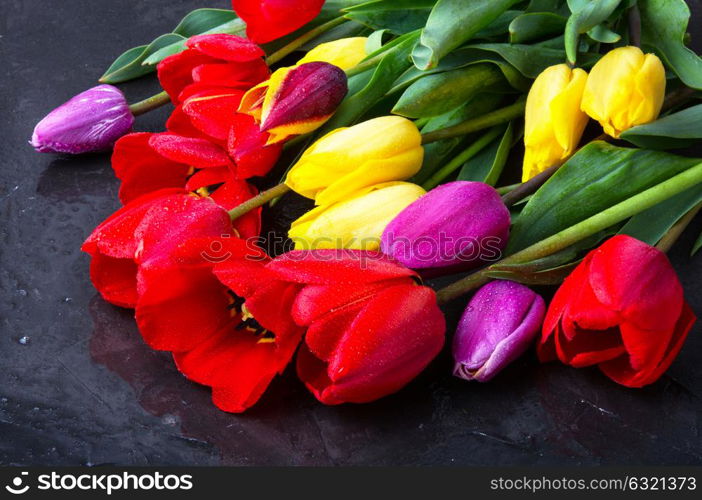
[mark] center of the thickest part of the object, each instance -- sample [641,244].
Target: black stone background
[86,390]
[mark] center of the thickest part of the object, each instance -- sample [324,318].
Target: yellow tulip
[553,121]
[345,53]
[357,222]
[349,159]
[625,88]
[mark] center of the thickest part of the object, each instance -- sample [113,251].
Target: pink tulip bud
[501,321]
[91,121]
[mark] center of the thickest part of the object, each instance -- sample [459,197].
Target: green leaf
[545,5]
[663,27]
[375,41]
[603,34]
[452,23]
[129,65]
[696,246]
[535,26]
[585,17]
[201,20]
[650,225]
[676,130]
[397,16]
[487,165]
[434,95]
[234,27]
[499,26]
[530,60]
[391,66]
[463,57]
[595,178]
[437,153]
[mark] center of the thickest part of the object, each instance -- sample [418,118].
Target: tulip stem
[153,102]
[634,19]
[529,187]
[670,237]
[502,115]
[259,200]
[302,40]
[473,149]
[563,239]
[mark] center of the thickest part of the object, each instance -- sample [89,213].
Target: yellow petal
[274,83]
[345,53]
[537,119]
[650,86]
[567,119]
[357,222]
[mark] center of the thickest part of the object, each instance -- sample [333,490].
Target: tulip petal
[247,146]
[239,76]
[213,114]
[334,266]
[588,347]
[267,20]
[344,53]
[637,280]
[226,47]
[199,153]
[175,71]
[621,371]
[391,340]
[115,279]
[142,170]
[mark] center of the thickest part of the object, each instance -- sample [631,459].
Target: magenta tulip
[91,121]
[501,321]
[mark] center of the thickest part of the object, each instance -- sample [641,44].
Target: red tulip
[230,329]
[370,327]
[267,20]
[621,309]
[218,60]
[234,323]
[145,233]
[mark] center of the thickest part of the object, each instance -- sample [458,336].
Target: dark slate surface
[84,389]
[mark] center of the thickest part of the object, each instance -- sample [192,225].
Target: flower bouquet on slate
[520,146]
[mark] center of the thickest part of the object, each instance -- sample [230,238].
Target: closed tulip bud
[499,324]
[553,121]
[625,88]
[357,222]
[91,121]
[295,100]
[347,160]
[344,53]
[457,224]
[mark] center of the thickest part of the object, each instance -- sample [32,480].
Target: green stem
[153,102]
[259,200]
[573,234]
[507,189]
[303,39]
[462,157]
[502,115]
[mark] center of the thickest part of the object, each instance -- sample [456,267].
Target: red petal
[330,266]
[570,287]
[175,72]
[226,47]
[621,371]
[179,123]
[588,347]
[267,20]
[324,335]
[240,76]
[115,279]
[208,177]
[390,341]
[192,151]
[233,193]
[213,114]
[247,147]
[637,280]
[142,170]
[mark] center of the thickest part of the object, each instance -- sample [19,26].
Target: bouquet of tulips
[409,124]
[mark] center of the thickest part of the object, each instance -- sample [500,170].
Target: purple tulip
[501,321]
[461,223]
[91,121]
